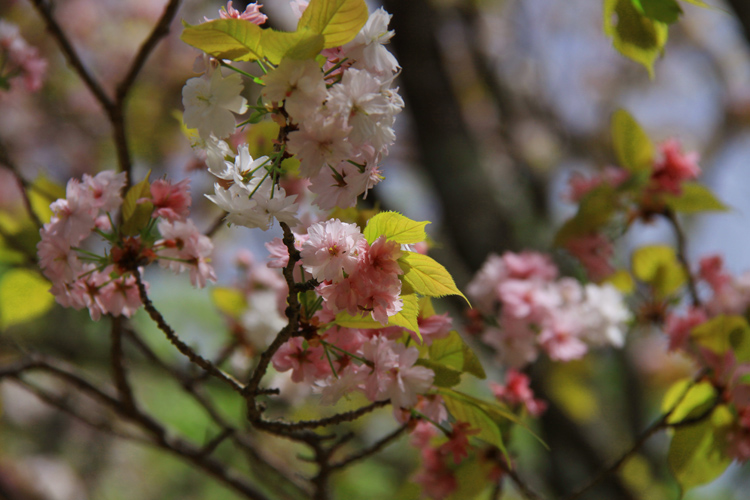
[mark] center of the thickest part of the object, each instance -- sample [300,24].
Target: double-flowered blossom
[534,309]
[252,200]
[210,102]
[356,277]
[104,284]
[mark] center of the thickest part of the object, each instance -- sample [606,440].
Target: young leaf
[338,21]
[724,333]
[691,401]
[427,277]
[301,44]
[453,352]
[234,39]
[24,295]
[595,211]
[633,148]
[444,376]
[697,452]
[136,215]
[695,198]
[633,34]
[465,410]
[665,11]
[395,227]
[658,266]
[407,317]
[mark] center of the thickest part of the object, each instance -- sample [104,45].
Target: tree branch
[179,344]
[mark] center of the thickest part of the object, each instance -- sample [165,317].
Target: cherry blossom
[210,101]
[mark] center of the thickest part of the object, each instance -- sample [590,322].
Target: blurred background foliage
[505,98]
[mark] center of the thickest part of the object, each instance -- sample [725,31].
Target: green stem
[243,73]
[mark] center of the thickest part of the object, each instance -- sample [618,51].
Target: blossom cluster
[727,296]
[18,58]
[336,119]
[104,284]
[529,308]
[668,173]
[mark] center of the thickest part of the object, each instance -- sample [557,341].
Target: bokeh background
[504,99]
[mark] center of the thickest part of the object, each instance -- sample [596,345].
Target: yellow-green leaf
[697,453]
[633,34]
[230,301]
[666,11]
[634,149]
[444,376]
[407,317]
[658,266]
[427,277]
[722,333]
[395,227]
[453,352]
[595,211]
[24,295]
[301,44]
[136,215]
[686,400]
[465,410]
[695,198]
[234,39]
[338,21]
[622,280]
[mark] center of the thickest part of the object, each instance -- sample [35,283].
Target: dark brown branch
[179,344]
[349,416]
[119,374]
[71,55]
[56,402]
[375,448]
[292,313]
[242,441]
[179,447]
[660,424]
[682,255]
[217,224]
[521,485]
[160,31]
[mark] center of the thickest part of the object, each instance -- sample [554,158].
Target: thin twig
[376,447]
[161,29]
[682,255]
[119,374]
[660,424]
[72,56]
[179,344]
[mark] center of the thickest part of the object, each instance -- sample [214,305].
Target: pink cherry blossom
[678,328]
[674,167]
[516,391]
[171,201]
[332,249]
[712,272]
[182,248]
[394,375]
[307,364]
[595,252]
[252,13]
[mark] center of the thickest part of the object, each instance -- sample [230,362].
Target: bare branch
[682,255]
[376,447]
[179,344]
[72,56]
